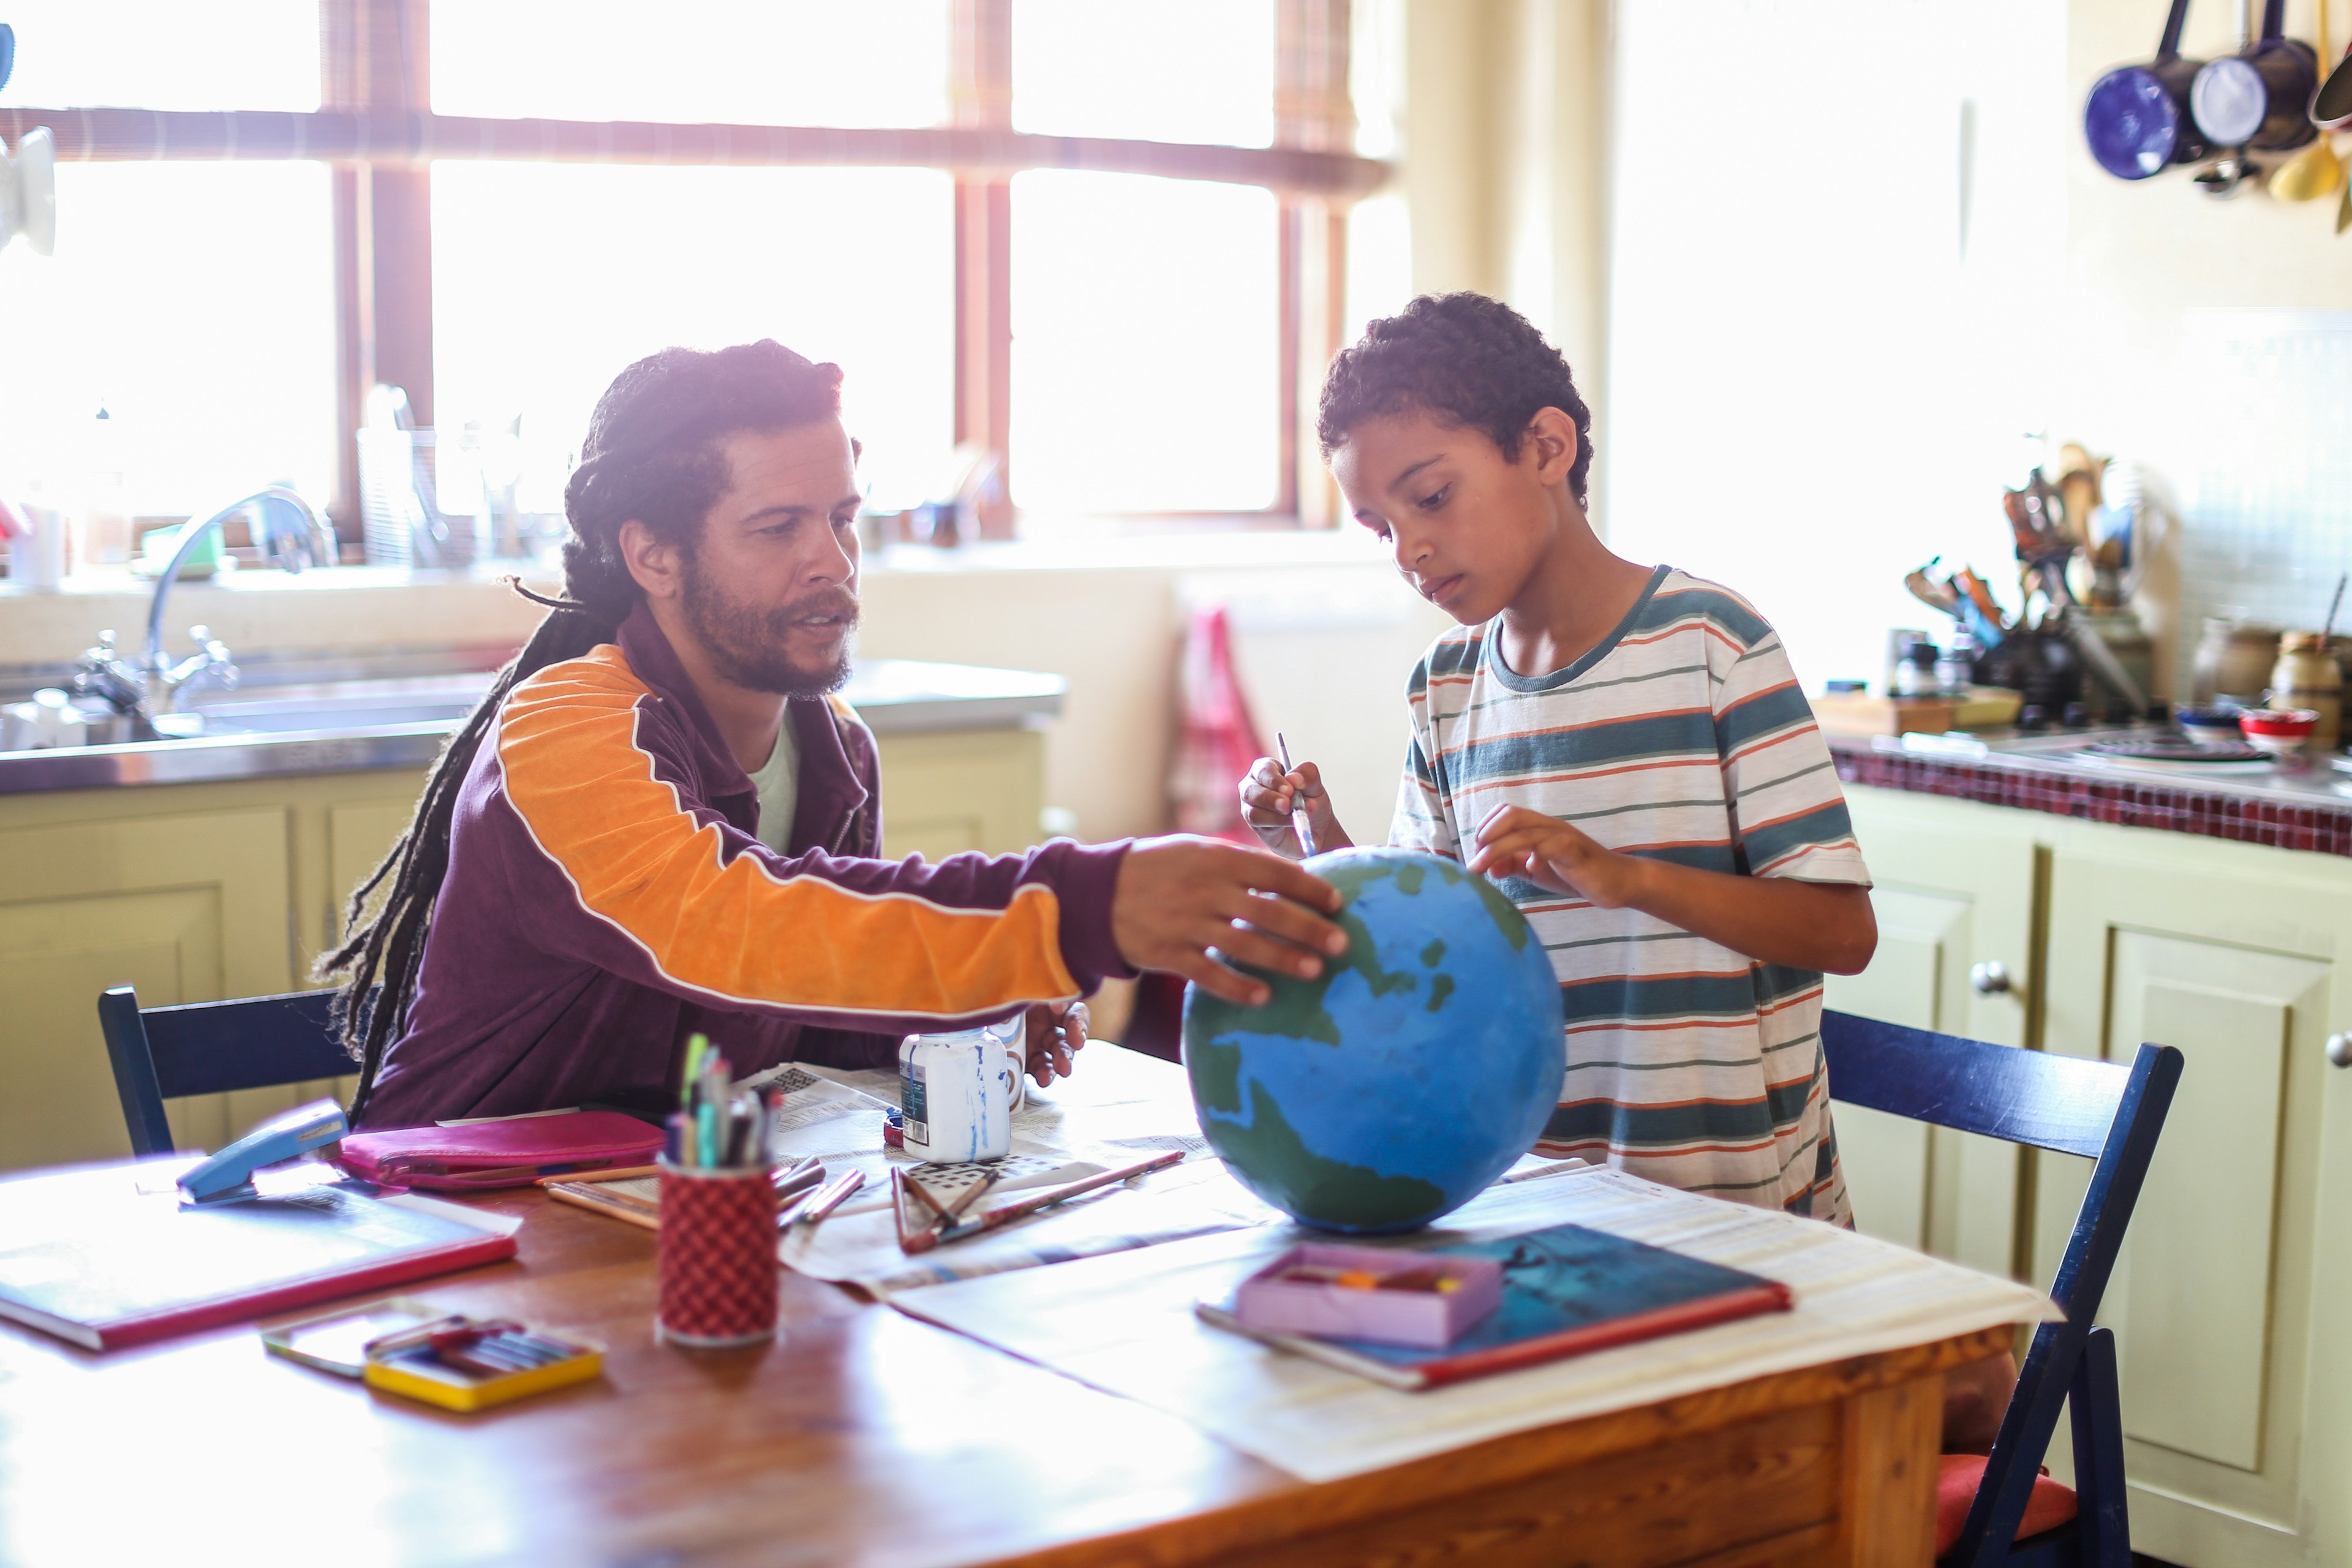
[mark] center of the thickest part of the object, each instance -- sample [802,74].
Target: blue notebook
[1567,1290]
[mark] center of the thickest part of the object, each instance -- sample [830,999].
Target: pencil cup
[718,1257]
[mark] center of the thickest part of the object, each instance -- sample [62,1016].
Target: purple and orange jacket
[608,897]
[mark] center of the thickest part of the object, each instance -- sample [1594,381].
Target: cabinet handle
[2339,1050]
[1991,978]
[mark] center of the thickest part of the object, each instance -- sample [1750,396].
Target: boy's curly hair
[1463,357]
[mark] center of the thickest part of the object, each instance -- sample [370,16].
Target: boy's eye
[1379,529]
[1436,498]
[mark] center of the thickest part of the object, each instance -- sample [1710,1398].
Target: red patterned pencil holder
[716,1246]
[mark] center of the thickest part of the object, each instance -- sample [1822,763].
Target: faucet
[290,534]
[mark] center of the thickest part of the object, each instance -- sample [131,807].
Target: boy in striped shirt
[1624,748]
[1626,751]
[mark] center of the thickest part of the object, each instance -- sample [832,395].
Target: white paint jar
[959,1091]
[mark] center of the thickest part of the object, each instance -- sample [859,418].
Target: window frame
[377,130]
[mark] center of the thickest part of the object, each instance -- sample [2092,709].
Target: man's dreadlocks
[652,454]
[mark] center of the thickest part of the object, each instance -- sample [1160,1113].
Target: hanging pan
[2137,118]
[2261,96]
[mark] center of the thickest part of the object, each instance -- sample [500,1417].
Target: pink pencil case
[500,1153]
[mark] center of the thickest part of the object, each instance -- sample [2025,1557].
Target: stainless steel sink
[363,719]
[343,705]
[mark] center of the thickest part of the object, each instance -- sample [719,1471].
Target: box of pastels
[1423,1299]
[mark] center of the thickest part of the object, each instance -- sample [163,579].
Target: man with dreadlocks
[660,820]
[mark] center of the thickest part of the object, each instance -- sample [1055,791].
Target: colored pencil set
[717,1126]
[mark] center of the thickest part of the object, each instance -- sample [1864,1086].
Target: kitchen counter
[337,717]
[2302,804]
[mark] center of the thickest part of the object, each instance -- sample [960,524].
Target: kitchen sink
[341,705]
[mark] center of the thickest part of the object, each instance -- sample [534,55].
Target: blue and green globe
[1395,1086]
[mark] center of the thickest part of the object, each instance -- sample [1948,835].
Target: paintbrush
[1022,1207]
[1299,822]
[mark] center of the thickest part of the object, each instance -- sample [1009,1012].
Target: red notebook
[106,1256]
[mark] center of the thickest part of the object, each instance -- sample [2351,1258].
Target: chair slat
[2063,1104]
[258,1042]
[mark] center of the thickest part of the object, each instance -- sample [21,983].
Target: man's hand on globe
[1516,842]
[1180,896]
[1269,796]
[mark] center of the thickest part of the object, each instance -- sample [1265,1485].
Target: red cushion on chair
[2051,1505]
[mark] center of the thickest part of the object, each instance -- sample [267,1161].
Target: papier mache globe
[1412,1073]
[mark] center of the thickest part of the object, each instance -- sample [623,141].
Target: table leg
[1887,1515]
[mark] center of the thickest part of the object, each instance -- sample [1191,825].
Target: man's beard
[748,644]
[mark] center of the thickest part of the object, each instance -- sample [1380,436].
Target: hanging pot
[2331,108]
[2261,96]
[2137,118]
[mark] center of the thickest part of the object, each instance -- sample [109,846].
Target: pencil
[963,1199]
[1022,1207]
[621,1173]
[924,1193]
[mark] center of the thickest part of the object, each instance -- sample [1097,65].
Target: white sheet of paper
[1120,1105]
[1125,1324]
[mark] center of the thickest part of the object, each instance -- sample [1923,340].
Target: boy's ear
[650,559]
[1552,441]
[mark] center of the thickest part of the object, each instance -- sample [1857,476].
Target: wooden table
[867,1438]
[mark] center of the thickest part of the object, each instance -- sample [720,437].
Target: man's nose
[836,561]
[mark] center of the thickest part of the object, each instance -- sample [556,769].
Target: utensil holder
[717,1251]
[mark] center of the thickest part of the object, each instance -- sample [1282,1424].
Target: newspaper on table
[1126,1325]
[1120,1106]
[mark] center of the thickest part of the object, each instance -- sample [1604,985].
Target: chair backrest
[2102,1110]
[212,1048]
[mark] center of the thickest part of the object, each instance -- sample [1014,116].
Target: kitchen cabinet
[201,892]
[947,791]
[2237,1393]
[2234,1386]
[1954,900]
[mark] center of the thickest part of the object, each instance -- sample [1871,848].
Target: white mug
[959,1091]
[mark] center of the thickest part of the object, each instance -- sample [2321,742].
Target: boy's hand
[1056,1031]
[1177,898]
[1269,796]
[1516,842]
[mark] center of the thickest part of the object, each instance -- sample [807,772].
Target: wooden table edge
[1306,1510]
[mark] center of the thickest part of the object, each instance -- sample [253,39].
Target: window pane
[748,62]
[1146,329]
[206,333]
[165,54]
[1201,72]
[549,279]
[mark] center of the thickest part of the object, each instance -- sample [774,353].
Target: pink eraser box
[1388,1297]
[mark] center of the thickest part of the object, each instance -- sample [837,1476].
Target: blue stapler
[227,1176]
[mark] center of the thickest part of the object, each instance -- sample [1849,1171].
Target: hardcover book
[107,1255]
[1567,1290]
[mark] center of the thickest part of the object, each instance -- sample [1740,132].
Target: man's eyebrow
[789,511]
[1399,482]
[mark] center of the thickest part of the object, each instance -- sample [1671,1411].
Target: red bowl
[2282,723]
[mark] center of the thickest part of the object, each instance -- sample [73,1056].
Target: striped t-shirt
[1684,737]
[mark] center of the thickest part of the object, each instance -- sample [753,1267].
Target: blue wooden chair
[2101,1111]
[212,1048]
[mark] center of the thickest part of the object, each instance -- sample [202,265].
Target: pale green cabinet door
[2233,1386]
[186,909]
[945,793]
[1954,889]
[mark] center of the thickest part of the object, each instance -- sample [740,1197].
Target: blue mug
[2259,98]
[2137,118]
